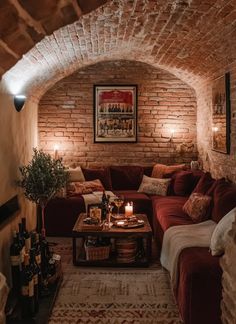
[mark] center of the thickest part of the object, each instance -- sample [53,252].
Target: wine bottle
[104,206]
[27,290]
[36,272]
[16,264]
[36,245]
[22,249]
[26,235]
[22,241]
[45,256]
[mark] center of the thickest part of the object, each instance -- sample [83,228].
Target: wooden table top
[78,227]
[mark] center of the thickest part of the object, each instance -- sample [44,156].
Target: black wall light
[19,101]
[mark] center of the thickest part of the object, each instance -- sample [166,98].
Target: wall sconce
[56,154]
[172,132]
[19,101]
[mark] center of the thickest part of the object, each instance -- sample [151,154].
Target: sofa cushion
[224,199]
[183,183]
[126,177]
[197,206]
[76,174]
[204,184]
[85,187]
[161,170]
[103,174]
[153,186]
[220,235]
[199,291]
[169,211]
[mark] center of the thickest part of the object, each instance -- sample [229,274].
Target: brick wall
[220,165]
[164,103]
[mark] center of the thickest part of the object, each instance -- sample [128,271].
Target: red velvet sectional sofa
[198,293]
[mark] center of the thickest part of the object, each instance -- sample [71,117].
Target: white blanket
[177,238]
[96,198]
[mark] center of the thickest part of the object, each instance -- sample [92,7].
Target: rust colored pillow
[103,174]
[85,187]
[204,184]
[196,207]
[161,170]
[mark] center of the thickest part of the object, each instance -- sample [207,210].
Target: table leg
[149,248]
[74,249]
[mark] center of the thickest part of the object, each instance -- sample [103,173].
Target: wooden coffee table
[142,234]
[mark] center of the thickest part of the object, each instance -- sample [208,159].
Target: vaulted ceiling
[190,38]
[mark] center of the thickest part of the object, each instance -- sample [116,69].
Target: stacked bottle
[30,256]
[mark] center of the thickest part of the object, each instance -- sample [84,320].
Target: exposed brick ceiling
[190,38]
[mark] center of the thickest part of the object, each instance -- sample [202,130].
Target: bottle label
[15,260]
[22,254]
[27,244]
[38,258]
[31,288]
[35,278]
[25,290]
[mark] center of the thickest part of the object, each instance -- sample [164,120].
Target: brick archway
[187,38]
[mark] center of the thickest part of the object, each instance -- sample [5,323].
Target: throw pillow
[220,235]
[183,183]
[196,207]
[103,174]
[154,186]
[160,170]
[85,187]
[204,184]
[126,177]
[76,174]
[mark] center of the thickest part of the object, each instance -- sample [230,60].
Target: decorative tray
[121,216]
[127,224]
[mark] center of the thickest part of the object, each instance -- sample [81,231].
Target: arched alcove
[165,103]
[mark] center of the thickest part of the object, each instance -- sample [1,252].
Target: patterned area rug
[113,296]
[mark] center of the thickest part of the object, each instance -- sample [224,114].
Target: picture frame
[115,113]
[221,114]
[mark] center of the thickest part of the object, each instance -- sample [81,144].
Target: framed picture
[115,113]
[221,114]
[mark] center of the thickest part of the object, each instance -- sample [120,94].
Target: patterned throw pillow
[160,170]
[196,207]
[85,187]
[154,186]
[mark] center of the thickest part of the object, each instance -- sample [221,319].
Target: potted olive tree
[41,179]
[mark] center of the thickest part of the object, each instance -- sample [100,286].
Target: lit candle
[56,147]
[129,210]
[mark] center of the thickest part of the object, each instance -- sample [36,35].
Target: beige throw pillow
[220,235]
[154,186]
[76,174]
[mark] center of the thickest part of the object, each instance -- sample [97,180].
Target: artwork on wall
[115,113]
[221,114]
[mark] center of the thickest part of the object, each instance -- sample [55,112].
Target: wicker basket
[97,252]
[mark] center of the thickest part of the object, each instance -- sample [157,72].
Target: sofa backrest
[127,177]
[224,199]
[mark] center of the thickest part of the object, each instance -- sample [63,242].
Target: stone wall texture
[164,103]
[18,135]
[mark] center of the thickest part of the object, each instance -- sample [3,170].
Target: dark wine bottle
[104,206]
[26,235]
[22,248]
[36,272]
[16,264]
[27,290]
[36,245]
[45,256]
